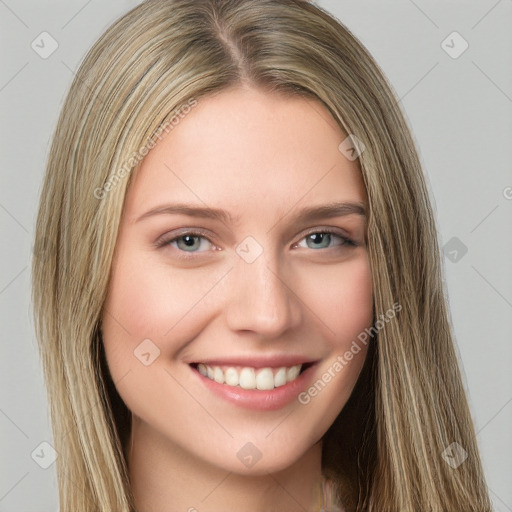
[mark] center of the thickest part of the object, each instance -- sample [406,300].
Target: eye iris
[320,237]
[189,240]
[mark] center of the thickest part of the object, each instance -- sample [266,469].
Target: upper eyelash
[203,234]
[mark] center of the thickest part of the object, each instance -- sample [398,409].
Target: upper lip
[259,361]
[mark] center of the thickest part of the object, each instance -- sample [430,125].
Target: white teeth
[218,375]
[202,369]
[231,377]
[280,377]
[247,378]
[250,378]
[291,373]
[265,379]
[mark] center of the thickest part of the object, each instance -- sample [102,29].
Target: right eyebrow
[191,211]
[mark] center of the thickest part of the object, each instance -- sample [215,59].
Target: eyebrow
[310,213]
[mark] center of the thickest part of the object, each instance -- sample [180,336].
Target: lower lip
[262,400]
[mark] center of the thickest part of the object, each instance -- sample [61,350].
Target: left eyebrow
[330,210]
[324,211]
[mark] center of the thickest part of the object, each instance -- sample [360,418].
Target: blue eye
[192,242]
[323,239]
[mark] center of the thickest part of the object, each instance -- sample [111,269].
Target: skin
[262,157]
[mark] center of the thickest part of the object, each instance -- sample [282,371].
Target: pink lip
[256,399]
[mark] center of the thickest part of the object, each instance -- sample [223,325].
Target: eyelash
[163,241]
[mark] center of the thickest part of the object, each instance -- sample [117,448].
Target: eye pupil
[189,240]
[319,237]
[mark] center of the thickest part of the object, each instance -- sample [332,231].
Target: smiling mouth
[247,377]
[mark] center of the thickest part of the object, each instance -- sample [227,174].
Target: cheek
[342,297]
[150,309]
[148,300]
[356,300]
[346,308]
[352,316]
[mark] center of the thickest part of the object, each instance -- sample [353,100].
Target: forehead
[245,150]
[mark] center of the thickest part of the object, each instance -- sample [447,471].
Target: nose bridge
[261,299]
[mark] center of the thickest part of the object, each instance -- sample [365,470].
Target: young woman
[240,304]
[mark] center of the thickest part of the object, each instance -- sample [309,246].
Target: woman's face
[228,257]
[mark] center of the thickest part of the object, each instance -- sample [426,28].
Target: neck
[166,478]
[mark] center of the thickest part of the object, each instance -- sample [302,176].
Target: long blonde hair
[384,450]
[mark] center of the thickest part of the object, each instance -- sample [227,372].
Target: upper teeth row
[250,378]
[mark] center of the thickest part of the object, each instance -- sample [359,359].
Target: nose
[261,300]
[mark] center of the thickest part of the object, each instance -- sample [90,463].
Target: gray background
[460,113]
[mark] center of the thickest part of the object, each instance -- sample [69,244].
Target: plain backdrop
[458,102]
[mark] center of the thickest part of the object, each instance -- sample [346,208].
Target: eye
[193,241]
[189,241]
[322,240]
